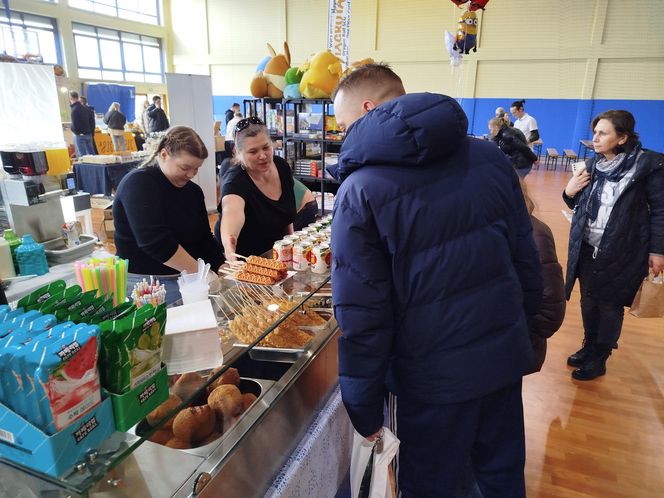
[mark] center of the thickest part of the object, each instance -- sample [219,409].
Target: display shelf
[124,447]
[309,178]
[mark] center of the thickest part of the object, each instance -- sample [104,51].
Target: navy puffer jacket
[635,230]
[434,265]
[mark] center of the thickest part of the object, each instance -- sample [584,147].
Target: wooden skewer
[238,255]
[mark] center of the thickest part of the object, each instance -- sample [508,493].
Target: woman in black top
[116,122]
[257,200]
[513,143]
[161,223]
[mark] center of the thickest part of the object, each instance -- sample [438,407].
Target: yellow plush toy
[357,64]
[271,82]
[321,75]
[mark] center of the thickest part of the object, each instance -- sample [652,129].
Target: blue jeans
[84,145]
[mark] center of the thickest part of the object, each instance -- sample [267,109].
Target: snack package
[80,302]
[66,377]
[116,313]
[57,300]
[11,314]
[71,232]
[131,348]
[17,322]
[81,314]
[35,299]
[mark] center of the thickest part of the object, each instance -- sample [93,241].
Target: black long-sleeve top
[152,217]
[82,119]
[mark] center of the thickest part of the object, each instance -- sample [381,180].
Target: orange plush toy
[271,81]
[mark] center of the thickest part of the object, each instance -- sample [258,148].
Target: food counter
[292,386]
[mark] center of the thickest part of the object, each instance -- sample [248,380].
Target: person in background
[230,114]
[157,120]
[116,120]
[524,121]
[84,102]
[82,126]
[257,205]
[551,312]
[617,234]
[504,115]
[512,142]
[144,118]
[230,131]
[161,223]
[435,276]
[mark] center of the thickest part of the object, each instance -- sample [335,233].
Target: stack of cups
[194,286]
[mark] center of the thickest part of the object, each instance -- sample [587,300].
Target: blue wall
[563,122]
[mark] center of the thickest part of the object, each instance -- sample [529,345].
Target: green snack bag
[49,306]
[35,299]
[80,301]
[131,348]
[82,314]
[116,313]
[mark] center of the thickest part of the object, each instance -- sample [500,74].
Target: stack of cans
[307,249]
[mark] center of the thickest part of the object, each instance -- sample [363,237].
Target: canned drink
[310,240]
[291,238]
[319,238]
[321,259]
[299,234]
[318,226]
[302,255]
[282,250]
[309,230]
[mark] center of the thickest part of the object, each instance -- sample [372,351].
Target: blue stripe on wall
[563,122]
[222,102]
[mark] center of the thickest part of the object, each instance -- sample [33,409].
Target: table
[101,178]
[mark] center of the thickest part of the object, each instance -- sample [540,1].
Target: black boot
[582,355]
[595,366]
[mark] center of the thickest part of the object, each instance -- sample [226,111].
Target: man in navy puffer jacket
[434,273]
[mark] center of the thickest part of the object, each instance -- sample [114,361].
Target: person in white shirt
[524,121]
[230,127]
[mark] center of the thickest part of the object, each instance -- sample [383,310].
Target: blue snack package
[66,377]
[18,321]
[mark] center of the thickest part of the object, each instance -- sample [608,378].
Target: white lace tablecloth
[321,461]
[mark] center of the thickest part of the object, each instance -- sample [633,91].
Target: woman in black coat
[617,234]
[116,121]
[513,143]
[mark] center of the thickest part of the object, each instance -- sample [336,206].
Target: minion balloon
[466,36]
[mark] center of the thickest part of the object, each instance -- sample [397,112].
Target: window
[146,11]
[106,54]
[29,34]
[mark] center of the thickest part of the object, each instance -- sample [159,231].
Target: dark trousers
[438,441]
[602,321]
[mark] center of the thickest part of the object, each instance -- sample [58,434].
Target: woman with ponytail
[161,223]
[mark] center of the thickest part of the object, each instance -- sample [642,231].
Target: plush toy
[270,82]
[466,36]
[474,4]
[357,64]
[321,75]
[293,77]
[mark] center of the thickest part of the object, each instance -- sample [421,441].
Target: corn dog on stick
[267,263]
[254,278]
[261,270]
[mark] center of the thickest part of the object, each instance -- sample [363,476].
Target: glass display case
[280,340]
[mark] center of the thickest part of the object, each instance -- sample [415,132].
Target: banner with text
[338,29]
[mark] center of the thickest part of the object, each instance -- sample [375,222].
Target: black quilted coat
[635,230]
[513,143]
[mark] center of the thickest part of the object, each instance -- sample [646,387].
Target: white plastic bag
[362,449]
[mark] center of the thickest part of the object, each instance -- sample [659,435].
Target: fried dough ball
[230,376]
[178,444]
[194,424]
[187,385]
[212,437]
[226,401]
[156,415]
[162,436]
[247,400]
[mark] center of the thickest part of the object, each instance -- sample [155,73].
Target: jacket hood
[413,130]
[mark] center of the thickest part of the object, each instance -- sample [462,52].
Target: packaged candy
[35,299]
[116,313]
[79,302]
[131,348]
[66,376]
[19,321]
[57,300]
[81,314]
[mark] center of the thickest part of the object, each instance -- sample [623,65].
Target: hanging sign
[338,29]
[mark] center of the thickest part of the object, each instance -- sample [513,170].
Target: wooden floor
[603,438]
[599,439]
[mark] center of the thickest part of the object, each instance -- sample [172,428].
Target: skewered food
[268,272]
[267,263]
[254,278]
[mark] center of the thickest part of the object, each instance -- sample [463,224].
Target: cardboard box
[132,407]
[23,443]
